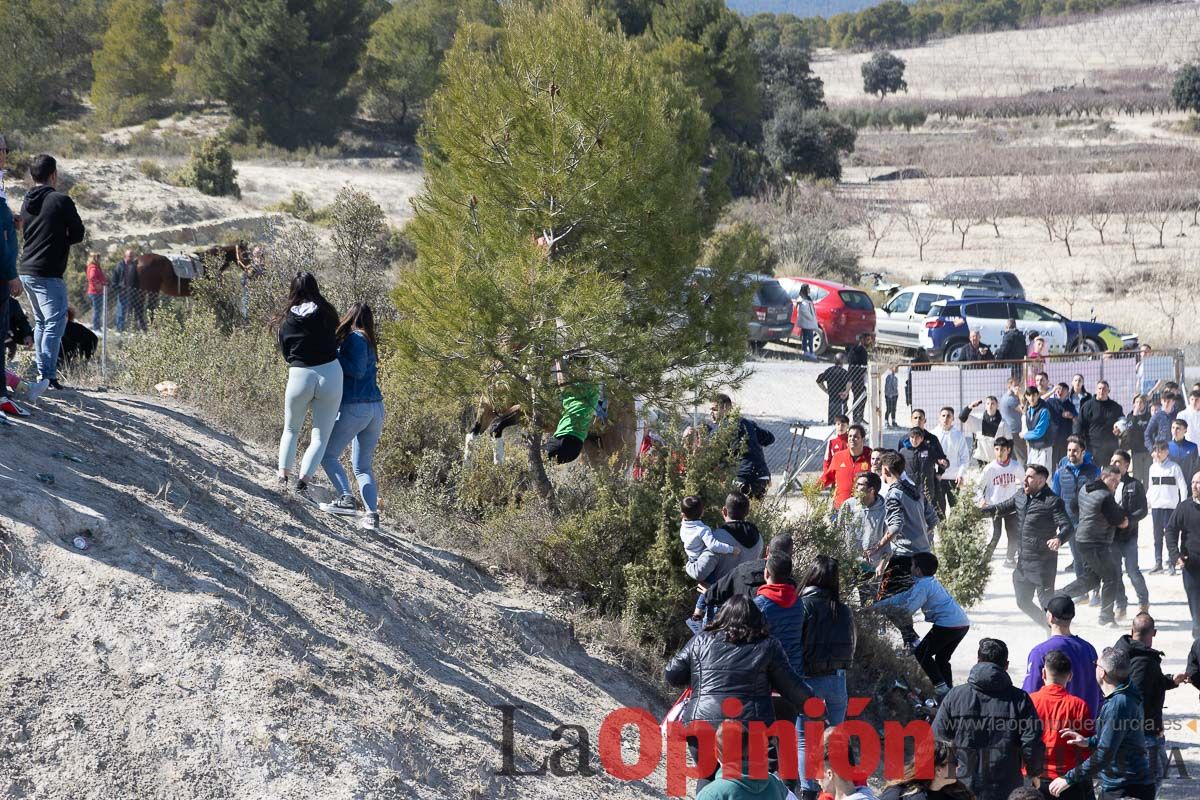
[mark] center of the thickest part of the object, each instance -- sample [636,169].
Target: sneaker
[1171,572]
[12,409]
[1144,608]
[1158,570]
[1120,615]
[1083,598]
[369,521]
[343,506]
[914,644]
[36,389]
[1095,601]
[1010,563]
[5,423]
[1069,567]
[54,384]
[1109,623]
[301,491]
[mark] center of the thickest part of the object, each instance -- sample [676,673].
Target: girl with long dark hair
[308,340]
[360,418]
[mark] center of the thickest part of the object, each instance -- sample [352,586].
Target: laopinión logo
[691,749]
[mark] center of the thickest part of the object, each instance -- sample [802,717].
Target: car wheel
[956,351]
[820,342]
[1088,345]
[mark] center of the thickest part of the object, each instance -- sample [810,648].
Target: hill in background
[800,8]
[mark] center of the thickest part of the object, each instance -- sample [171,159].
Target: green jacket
[579,407]
[744,789]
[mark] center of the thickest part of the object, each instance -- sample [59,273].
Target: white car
[901,320]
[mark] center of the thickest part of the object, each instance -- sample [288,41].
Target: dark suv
[771,318]
[1000,284]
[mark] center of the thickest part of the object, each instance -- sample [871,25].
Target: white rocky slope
[220,641]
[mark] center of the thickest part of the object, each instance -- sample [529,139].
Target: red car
[843,312]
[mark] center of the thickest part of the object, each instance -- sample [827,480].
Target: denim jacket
[8,243]
[358,370]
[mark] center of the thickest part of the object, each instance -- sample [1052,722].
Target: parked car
[998,283]
[949,322]
[771,311]
[843,312]
[900,321]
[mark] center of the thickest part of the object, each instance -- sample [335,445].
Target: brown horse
[614,436]
[156,275]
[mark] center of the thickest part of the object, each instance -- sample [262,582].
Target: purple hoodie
[1083,669]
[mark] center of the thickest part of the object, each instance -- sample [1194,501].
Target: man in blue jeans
[51,225]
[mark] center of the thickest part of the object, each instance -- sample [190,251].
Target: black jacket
[995,725]
[744,579]
[1134,437]
[829,639]
[1012,346]
[1041,516]
[1145,672]
[921,465]
[308,336]
[51,225]
[1099,514]
[1095,424]
[18,326]
[749,444]
[717,669]
[1133,503]
[1184,527]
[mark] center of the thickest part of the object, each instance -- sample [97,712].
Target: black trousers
[947,496]
[1191,585]
[890,412]
[1100,568]
[1078,791]
[896,579]
[1143,792]
[564,449]
[935,650]
[1031,578]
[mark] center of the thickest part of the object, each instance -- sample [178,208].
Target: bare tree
[953,200]
[920,226]
[1067,280]
[1155,207]
[1132,226]
[878,225]
[1174,289]
[1099,212]
[993,201]
[1057,201]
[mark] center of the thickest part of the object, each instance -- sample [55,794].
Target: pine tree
[562,216]
[284,65]
[132,66]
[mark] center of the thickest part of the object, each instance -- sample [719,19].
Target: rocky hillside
[218,640]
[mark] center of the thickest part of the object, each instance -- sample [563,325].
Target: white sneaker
[369,521]
[36,389]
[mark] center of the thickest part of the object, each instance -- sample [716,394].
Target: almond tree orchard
[563,218]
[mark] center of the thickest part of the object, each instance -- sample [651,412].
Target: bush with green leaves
[210,169]
[133,69]
[961,547]
[1185,91]
[807,143]
[883,74]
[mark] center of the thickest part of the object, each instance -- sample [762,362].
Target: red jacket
[95,279]
[842,471]
[1059,710]
[836,444]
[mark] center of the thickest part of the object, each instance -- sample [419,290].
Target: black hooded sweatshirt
[744,531]
[1145,672]
[51,224]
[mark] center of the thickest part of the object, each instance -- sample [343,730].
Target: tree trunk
[875,248]
[1067,242]
[962,245]
[996,227]
[537,466]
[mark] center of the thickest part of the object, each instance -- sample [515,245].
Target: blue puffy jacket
[1069,479]
[1159,429]
[8,243]
[1041,433]
[359,367]
[785,619]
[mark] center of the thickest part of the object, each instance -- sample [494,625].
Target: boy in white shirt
[702,550]
[1001,479]
[958,453]
[1166,487]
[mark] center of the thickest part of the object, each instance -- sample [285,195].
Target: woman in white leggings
[308,341]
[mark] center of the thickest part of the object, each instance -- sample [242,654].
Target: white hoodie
[958,452]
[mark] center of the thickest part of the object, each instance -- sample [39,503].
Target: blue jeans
[97,311]
[806,341]
[831,689]
[1127,552]
[4,326]
[361,423]
[48,296]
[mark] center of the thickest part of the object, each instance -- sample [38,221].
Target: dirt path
[218,640]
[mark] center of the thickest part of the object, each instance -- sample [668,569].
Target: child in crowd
[950,622]
[702,550]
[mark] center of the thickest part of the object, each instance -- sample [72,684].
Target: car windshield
[925,301]
[770,293]
[899,303]
[856,300]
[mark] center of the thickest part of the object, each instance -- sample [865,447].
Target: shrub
[299,206]
[210,170]
[960,546]
[84,196]
[1185,91]
[151,169]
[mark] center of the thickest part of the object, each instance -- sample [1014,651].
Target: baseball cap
[1061,606]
